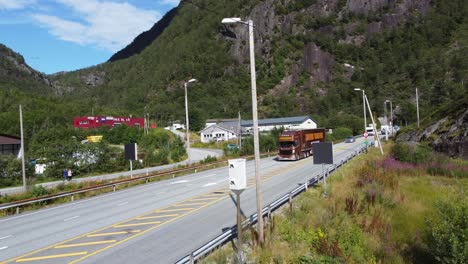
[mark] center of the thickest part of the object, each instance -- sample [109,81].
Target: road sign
[366,134]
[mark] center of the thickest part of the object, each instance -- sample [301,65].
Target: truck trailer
[297,144]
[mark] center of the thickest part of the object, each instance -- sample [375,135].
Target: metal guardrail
[230,234]
[19,204]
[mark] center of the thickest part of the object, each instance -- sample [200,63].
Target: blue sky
[66,35]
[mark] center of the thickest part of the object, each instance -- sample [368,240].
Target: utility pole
[417,105]
[23,167]
[240,132]
[375,128]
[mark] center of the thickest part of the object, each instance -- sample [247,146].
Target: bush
[412,153]
[447,232]
[339,134]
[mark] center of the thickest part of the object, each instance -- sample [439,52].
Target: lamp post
[391,115]
[187,137]
[255,122]
[363,106]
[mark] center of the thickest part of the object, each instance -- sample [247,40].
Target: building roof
[278,121]
[220,120]
[216,127]
[9,140]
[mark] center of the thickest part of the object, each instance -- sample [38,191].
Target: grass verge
[374,213]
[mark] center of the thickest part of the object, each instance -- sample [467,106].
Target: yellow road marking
[53,256]
[173,210]
[87,244]
[139,224]
[108,234]
[188,204]
[113,233]
[139,234]
[203,199]
[156,216]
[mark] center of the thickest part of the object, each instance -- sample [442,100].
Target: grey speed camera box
[237,174]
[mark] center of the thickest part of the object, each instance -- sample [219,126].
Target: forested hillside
[310,54]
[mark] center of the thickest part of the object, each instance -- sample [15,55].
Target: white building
[288,123]
[217,133]
[230,130]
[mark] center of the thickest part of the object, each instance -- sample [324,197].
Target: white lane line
[214,183]
[206,176]
[71,218]
[122,203]
[5,237]
[184,181]
[2,248]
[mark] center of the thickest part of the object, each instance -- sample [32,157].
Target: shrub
[412,153]
[448,230]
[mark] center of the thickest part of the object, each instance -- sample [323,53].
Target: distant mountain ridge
[145,39]
[15,73]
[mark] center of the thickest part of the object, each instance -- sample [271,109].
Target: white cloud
[15,4]
[105,24]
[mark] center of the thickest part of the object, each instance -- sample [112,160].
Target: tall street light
[187,137]
[363,105]
[391,115]
[255,122]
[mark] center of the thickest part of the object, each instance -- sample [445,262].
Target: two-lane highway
[158,222]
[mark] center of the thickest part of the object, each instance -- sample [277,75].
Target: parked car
[350,140]
[232,146]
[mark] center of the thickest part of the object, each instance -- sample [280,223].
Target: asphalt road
[155,223]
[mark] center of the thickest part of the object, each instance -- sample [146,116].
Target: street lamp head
[191,80]
[357,89]
[231,20]
[387,101]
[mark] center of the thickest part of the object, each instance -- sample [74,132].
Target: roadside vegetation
[406,207]
[61,148]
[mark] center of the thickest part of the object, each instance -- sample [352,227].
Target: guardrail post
[306,186]
[73,198]
[17,210]
[147,180]
[269,212]
[290,202]
[191,259]
[173,175]
[113,188]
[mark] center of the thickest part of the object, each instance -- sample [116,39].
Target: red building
[111,121]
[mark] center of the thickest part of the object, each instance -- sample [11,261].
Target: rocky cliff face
[448,135]
[13,68]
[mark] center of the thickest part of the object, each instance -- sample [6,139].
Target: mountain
[146,38]
[310,55]
[15,73]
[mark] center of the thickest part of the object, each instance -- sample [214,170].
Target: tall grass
[377,212]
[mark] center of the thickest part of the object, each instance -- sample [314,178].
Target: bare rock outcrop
[447,135]
[318,62]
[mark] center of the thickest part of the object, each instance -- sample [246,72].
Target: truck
[297,144]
